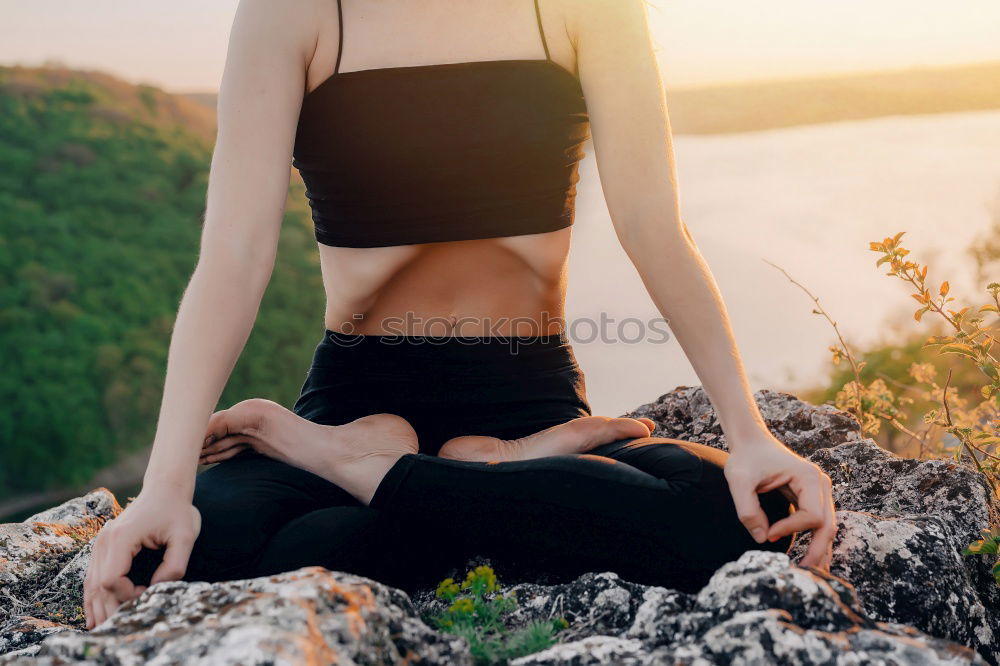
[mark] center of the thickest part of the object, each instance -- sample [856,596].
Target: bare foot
[355,456]
[576,436]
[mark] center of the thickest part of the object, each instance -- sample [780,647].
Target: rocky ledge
[900,590]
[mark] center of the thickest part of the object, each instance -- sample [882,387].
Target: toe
[627,427]
[471,448]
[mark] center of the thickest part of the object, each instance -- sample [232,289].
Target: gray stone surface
[308,616]
[757,610]
[900,590]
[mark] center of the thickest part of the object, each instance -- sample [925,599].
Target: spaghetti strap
[541,31]
[340,38]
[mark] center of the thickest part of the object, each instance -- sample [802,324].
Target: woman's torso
[489,286]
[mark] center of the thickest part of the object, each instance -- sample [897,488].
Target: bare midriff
[510,286]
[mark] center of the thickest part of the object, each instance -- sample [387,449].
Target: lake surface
[806,198]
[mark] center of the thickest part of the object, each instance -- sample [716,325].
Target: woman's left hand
[762,463]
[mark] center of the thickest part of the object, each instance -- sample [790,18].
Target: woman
[441,174]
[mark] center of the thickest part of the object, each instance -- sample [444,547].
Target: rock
[907,565]
[43,560]
[868,478]
[907,570]
[590,650]
[757,610]
[899,592]
[903,525]
[22,637]
[98,505]
[686,413]
[305,616]
[593,604]
[771,637]
[761,610]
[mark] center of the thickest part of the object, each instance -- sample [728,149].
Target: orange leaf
[944,288]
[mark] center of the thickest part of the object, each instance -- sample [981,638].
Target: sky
[181,45]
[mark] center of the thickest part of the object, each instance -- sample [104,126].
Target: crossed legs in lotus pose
[591,494]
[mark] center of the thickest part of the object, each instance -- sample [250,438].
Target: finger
[117,559]
[820,551]
[826,556]
[175,560]
[108,605]
[781,483]
[225,455]
[88,590]
[822,540]
[748,509]
[779,480]
[117,591]
[828,553]
[100,614]
[649,423]
[826,559]
[226,443]
[122,590]
[799,521]
[88,609]
[813,490]
[92,590]
[114,586]
[211,460]
[219,445]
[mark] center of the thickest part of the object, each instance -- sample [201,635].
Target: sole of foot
[355,456]
[576,436]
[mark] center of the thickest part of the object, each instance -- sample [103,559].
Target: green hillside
[102,191]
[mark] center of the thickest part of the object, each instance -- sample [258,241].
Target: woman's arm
[259,101]
[632,142]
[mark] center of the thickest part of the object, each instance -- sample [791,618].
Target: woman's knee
[697,471]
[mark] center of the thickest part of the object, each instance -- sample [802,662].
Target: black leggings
[654,510]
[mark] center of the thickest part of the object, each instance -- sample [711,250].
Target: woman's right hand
[154,519]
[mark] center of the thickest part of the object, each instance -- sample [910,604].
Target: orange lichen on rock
[357,598]
[84,531]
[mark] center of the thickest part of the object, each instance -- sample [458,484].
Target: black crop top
[441,152]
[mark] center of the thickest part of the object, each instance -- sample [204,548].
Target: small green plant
[477,609]
[988,545]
